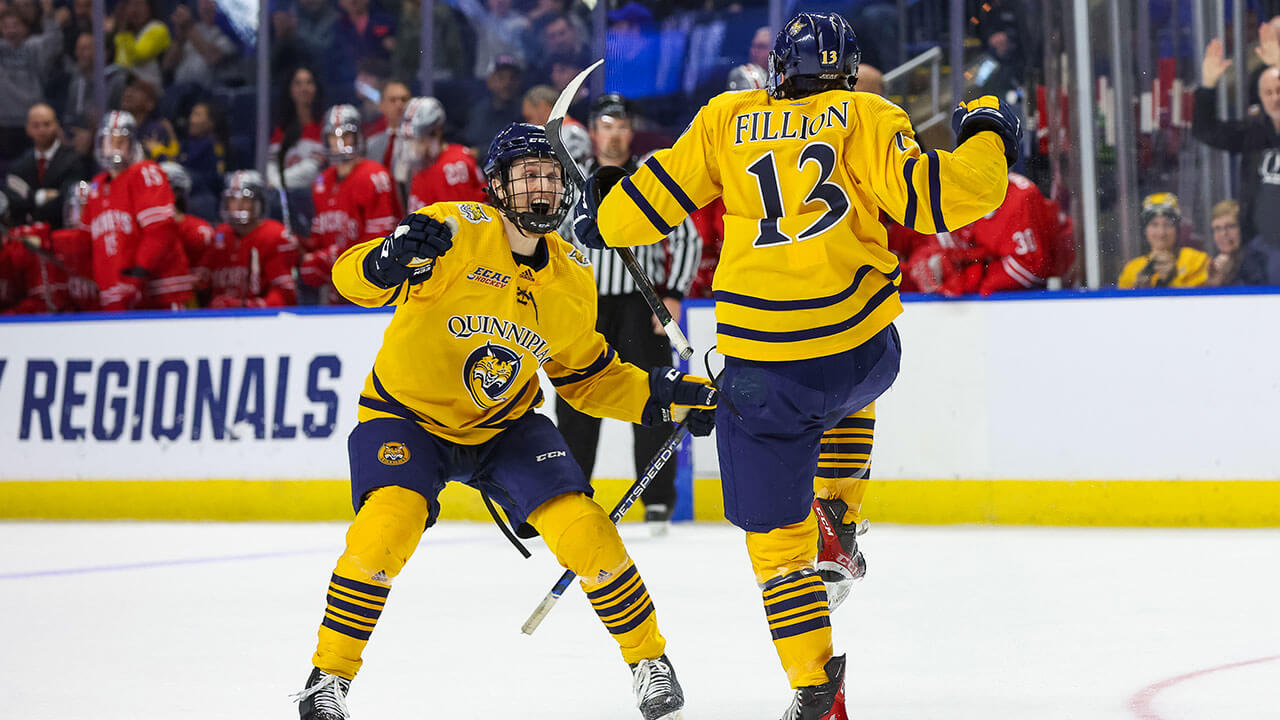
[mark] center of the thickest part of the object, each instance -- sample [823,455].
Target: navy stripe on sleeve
[935,192]
[645,207]
[909,215]
[677,192]
[600,364]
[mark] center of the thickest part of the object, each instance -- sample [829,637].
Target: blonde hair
[1226,208]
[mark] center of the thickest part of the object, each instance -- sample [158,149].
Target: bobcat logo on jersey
[393,453]
[489,372]
[474,213]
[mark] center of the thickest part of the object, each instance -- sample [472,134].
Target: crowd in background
[183,74]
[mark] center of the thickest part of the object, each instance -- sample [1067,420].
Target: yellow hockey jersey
[462,352]
[805,270]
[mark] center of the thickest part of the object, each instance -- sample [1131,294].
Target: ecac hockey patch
[393,453]
[492,278]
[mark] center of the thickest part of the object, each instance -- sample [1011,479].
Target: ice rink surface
[108,621]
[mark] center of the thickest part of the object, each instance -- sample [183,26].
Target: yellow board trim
[1143,503]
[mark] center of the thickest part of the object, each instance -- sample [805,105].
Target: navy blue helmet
[813,52]
[536,202]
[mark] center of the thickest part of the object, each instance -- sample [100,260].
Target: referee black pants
[627,325]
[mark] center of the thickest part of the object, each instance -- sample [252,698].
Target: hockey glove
[410,251]
[988,113]
[670,388]
[588,206]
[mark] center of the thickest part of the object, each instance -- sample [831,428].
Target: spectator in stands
[560,37]
[138,260]
[451,57]
[304,37]
[500,32]
[1166,265]
[761,46]
[362,32]
[1224,269]
[156,134]
[251,259]
[435,170]
[297,150]
[1255,137]
[38,180]
[139,38]
[25,62]
[77,21]
[77,105]
[870,79]
[199,46]
[500,107]
[383,134]
[564,68]
[538,101]
[355,200]
[204,155]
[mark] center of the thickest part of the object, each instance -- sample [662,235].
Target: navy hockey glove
[588,206]
[988,113]
[669,387]
[409,252]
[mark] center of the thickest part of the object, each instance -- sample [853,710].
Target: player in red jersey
[251,260]
[440,171]
[137,257]
[1027,240]
[31,279]
[195,233]
[355,200]
[73,245]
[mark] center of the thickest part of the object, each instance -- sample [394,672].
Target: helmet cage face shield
[117,145]
[532,193]
[244,200]
[344,143]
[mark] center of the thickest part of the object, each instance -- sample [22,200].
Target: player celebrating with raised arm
[484,297]
[806,290]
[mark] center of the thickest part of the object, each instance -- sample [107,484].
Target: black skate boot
[658,693]
[821,702]
[658,518]
[839,560]
[325,697]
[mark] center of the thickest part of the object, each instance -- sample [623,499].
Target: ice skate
[325,697]
[839,560]
[821,702]
[658,693]
[657,518]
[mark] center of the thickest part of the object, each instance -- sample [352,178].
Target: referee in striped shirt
[624,318]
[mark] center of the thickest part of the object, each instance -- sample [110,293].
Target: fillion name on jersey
[465,326]
[768,125]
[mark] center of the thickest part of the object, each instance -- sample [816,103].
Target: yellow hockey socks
[843,461]
[795,599]
[579,533]
[379,542]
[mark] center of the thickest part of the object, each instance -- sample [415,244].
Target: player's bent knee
[580,534]
[784,550]
[384,534]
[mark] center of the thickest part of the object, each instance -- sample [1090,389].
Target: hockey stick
[574,175]
[664,454]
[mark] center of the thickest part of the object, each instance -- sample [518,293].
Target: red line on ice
[1140,704]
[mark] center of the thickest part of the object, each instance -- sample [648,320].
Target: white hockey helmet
[179,180]
[248,185]
[343,138]
[73,208]
[747,76]
[117,146]
[420,137]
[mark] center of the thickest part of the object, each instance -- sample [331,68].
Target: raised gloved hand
[588,206]
[410,250]
[988,113]
[671,391]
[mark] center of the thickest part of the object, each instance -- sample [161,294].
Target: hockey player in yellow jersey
[485,295]
[806,293]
